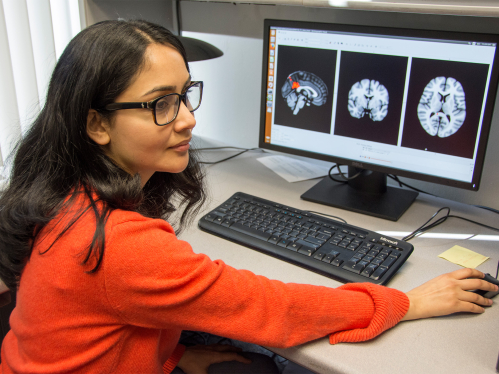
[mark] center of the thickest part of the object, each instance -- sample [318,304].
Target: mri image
[442,107]
[368,97]
[370,93]
[303,88]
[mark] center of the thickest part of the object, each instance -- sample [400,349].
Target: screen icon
[272,45]
[271,84]
[271,53]
[271,72]
[272,32]
[271,65]
[271,59]
[271,79]
[269,97]
[272,39]
[270,91]
[269,103]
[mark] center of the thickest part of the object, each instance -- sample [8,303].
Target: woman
[103,283]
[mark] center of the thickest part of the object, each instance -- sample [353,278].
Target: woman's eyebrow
[167,88]
[161,88]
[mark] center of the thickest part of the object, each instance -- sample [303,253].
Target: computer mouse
[488,294]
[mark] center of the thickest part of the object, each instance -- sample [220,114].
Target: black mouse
[488,294]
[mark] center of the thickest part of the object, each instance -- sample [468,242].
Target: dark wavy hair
[56,160]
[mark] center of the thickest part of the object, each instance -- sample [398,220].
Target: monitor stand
[367,194]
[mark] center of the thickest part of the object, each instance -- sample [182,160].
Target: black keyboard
[337,250]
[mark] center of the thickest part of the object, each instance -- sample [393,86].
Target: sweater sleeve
[155,280]
[175,357]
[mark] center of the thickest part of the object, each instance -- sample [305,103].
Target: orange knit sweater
[127,317]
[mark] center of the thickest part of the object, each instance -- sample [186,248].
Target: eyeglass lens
[167,108]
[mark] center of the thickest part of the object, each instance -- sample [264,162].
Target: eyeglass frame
[151,105]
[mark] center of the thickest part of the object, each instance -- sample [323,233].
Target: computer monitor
[414,103]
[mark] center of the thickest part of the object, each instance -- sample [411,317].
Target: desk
[461,343]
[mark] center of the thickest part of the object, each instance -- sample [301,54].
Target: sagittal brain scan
[368,97]
[442,108]
[302,88]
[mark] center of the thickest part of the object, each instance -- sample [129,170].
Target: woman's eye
[161,105]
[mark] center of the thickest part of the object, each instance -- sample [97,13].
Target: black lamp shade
[198,50]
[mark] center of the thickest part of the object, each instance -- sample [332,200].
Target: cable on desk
[402,184]
[244,150]
[428,226]
[392,176]
[327,215]
[487,208]
[345,178]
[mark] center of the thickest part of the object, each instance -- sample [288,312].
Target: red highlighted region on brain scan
[302,88]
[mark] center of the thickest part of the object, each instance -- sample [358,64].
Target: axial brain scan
[442,108]
[302,88]
[368,97]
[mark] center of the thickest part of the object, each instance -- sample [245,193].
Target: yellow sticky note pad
[463,257]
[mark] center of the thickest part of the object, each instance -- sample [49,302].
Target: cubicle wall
[231,103]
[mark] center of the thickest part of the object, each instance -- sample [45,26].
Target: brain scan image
[368,97]
[302,89]
[442,108]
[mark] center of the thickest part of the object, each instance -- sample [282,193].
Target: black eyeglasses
[165,108]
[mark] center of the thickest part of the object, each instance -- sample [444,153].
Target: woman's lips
[182,147]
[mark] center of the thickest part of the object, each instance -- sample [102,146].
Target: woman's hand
[449,294]
[198,358]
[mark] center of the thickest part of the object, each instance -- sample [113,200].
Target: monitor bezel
[396,31]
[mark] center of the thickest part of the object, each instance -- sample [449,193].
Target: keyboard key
[337,262]
[389,261]
[250,231]
[210,217]
[326,231]
[322,236]
[307,244]
[307,251]
[313,240]
[334,253]
[227,222]
[319,256]
[283,242]
[378,273]
[294,246]
[369,270]
[218,220]
[328,258]
[355,267]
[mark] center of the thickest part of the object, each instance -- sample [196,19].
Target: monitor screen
[415,103]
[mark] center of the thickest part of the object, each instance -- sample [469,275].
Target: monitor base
[388,205]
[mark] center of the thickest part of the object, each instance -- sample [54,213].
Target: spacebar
[250,231]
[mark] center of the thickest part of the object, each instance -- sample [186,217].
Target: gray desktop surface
[461,343]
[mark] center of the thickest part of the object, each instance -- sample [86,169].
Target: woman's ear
[97,128]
